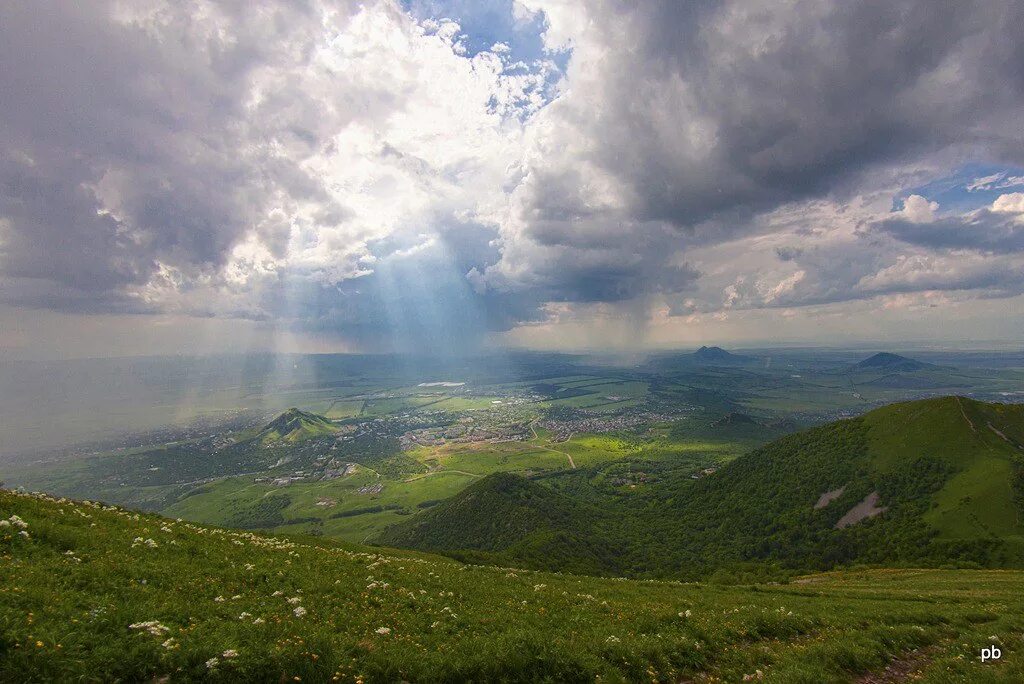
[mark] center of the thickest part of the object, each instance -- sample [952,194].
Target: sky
[446,176]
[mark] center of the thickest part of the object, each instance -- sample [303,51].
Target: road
[572,463]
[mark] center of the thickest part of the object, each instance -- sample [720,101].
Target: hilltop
[505,516]
[295,426]
[94,592]
[926,482]
[716,356]
[891,363]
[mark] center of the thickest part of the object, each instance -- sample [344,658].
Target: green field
[946,491]
[99,593]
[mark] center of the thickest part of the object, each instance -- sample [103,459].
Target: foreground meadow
[96,593]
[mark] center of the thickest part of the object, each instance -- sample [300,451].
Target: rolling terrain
[295,426]
[91,592]
[369,442]
[931,482]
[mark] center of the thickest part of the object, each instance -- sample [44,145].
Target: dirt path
[370,469]
[572,463]
[1003,437]
[902,669]
[440,472]
[964,414]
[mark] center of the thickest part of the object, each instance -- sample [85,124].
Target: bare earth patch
[868,508]
[828,497]
[903,669]
[1003,436]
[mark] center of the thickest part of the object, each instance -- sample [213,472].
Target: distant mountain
[716,356]
[295,426]
[925,482]
[891,363]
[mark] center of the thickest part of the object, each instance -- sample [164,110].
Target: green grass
[951,495]
[234,501]
[70,593]
[975,501]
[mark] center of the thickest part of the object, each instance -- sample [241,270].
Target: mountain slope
[507,516]
[295,426]
[97,593]
[716,356]
[925,482]
[890,363]
[944,491]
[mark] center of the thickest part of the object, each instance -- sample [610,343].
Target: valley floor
[96,593]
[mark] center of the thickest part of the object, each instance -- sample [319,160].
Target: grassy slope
[513,517]
[71,592]
[978,500]
[294,426]
[949,490]
[452,467]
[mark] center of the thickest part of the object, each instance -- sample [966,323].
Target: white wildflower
[294,600]
[211,663]
[151,626]
[299,611]
[230,653]
[383,630]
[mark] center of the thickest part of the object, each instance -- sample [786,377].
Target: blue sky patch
[486,22]
[970,187]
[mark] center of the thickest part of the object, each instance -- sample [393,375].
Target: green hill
[943,483]
[929,482]
[506,516]
[891,363]
[295,426]
[93,593]
[716,356]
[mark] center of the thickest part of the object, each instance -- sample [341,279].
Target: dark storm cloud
[706,107]
[137,152]
[703,115]
[983,230]
[126,143]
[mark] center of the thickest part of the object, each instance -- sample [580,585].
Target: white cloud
[1011,203]
[317,164]
[918,209]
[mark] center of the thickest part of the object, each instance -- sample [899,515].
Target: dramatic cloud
[418,175]
[688,124]
[998,229]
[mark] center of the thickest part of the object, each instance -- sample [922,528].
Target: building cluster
[322,468]
[463,432]
[562,429]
